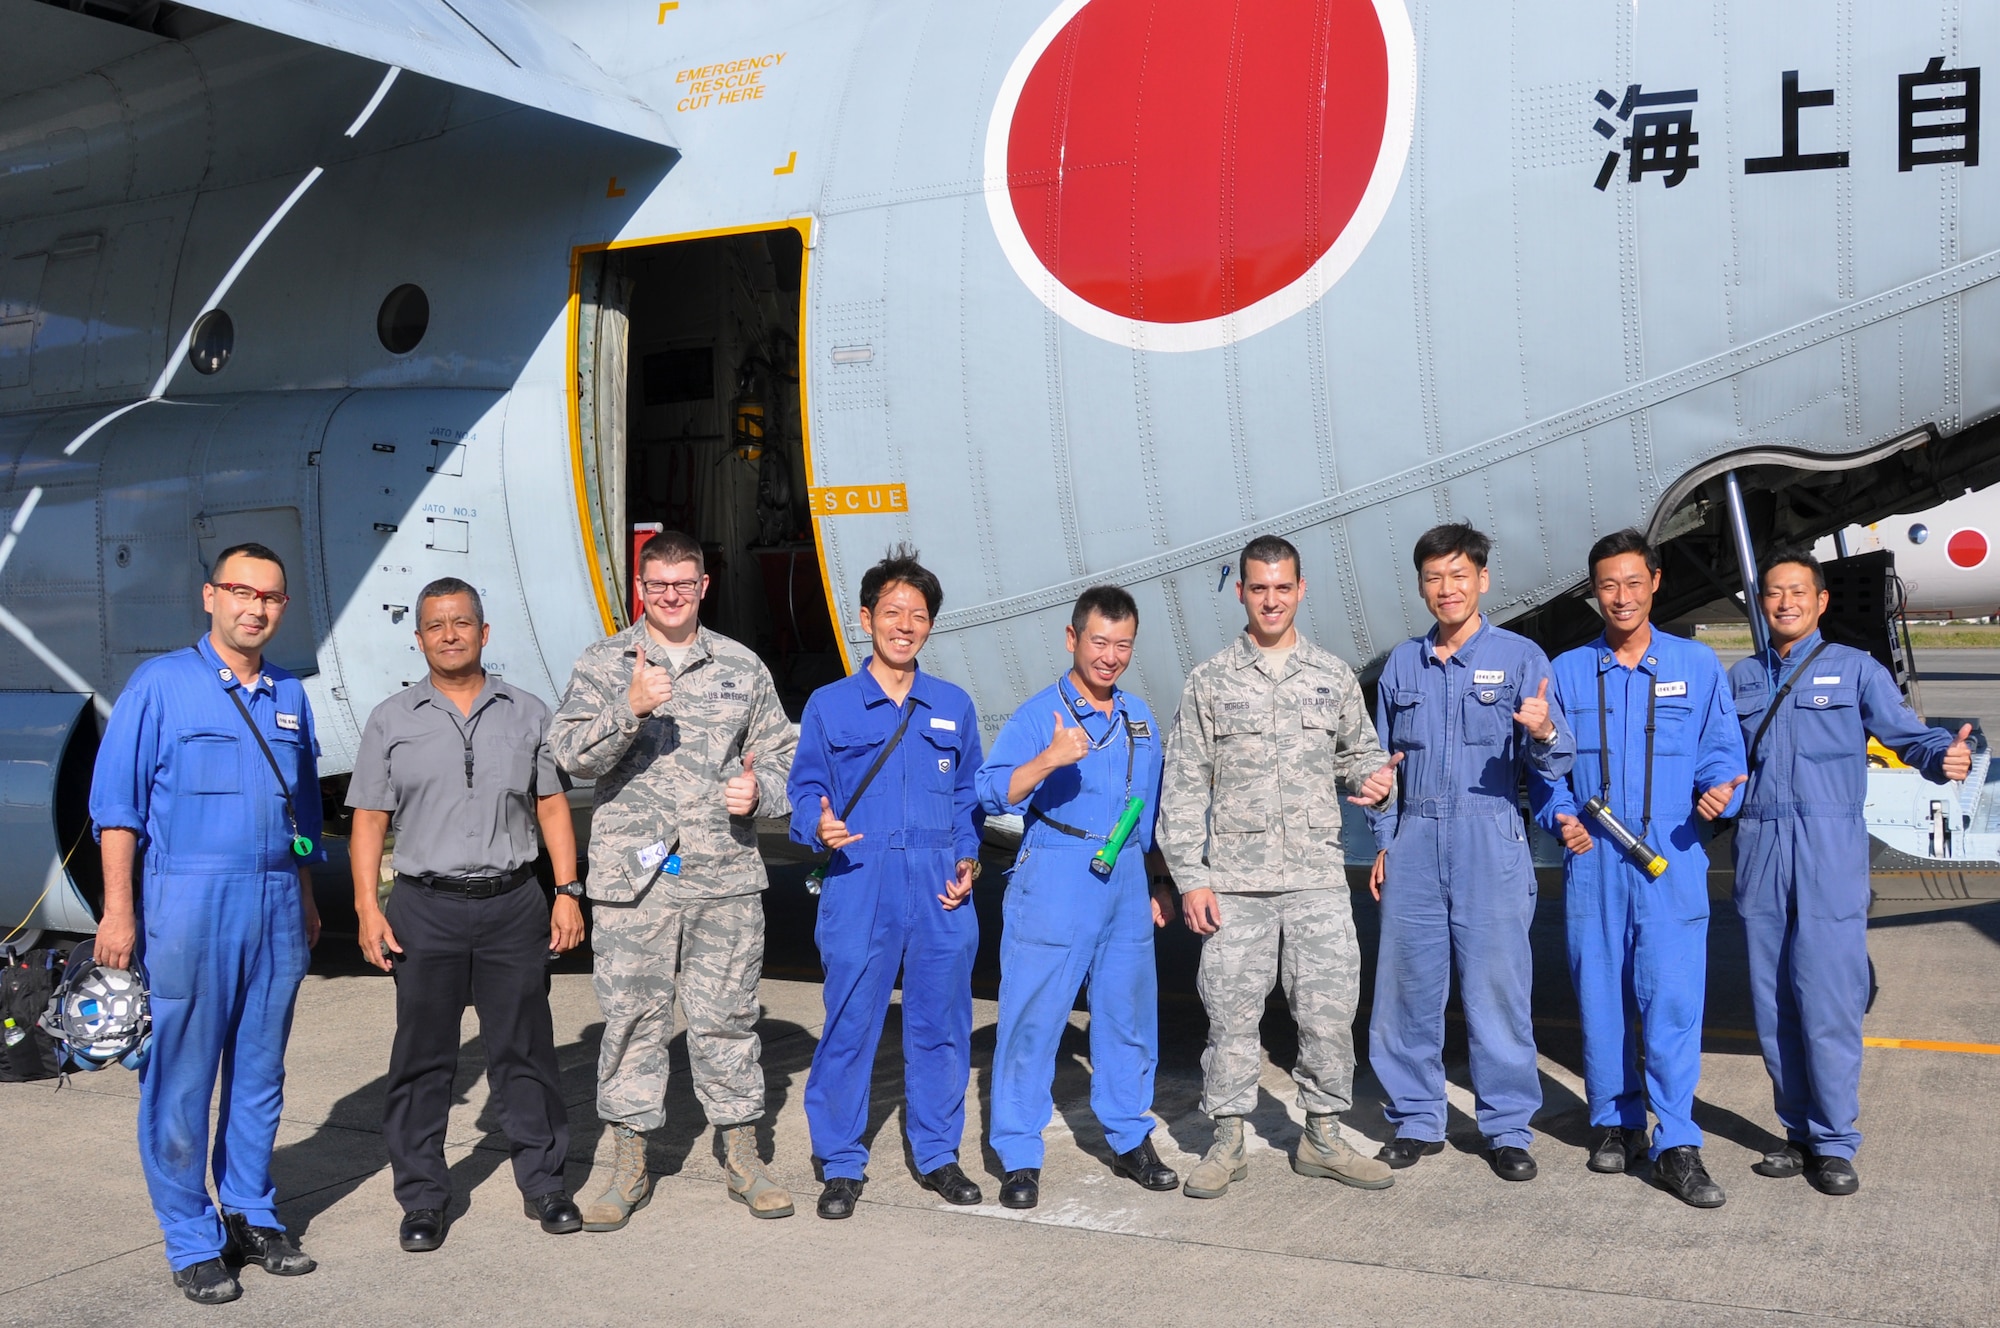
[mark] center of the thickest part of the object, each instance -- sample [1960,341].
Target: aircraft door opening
[689,406]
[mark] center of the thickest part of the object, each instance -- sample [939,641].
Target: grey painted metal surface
[1501,339]
[35,890]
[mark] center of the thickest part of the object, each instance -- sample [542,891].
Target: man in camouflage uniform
[682,731]
[1250,823]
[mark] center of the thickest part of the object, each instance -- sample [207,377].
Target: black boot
[1614,1150]
[1832,1175]
[1781,1163]
[422,1230]
[556,1211]
[1680,1173]
[1400,1153]
[272,1249]
[1021,1188]
[208,1283]
[1143,1165]
[837,1200]
[952,1185]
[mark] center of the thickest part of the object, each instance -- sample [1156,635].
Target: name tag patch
[286,721]
[653,855]
[948,725]
[1480,677]
[1670,689]
[1833,681]
[1140,728]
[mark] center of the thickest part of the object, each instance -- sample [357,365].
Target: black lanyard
[1771,711]
[300,844]
[1604,743]
[1131,754]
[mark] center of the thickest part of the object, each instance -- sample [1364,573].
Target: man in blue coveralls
[1069,762]
[1657,741]
[1807,707]
[1467,706]
[883,777]
[209,763]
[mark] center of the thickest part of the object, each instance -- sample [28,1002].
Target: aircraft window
[1919,533]
[209,345]
[405,317]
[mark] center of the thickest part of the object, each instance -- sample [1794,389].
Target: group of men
[1230,816]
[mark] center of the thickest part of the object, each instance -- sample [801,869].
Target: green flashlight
[1102,861]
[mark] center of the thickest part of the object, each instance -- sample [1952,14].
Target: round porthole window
[405,316]
[1919,533]
[213,338]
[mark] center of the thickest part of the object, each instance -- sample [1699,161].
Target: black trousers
[493,954]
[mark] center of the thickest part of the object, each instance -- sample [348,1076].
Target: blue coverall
[1802,872]
[879,909]
[1065,924]
[221,923]
[1639,946]
[1460,884]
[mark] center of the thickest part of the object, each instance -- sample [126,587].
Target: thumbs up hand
[1716,800]
[1534,715]
[739,794]
[1575,838]
[1958,757]
[833,830]
[1378,786]
[652,686]
[1067,746]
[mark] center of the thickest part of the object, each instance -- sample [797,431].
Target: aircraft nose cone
[1175,161]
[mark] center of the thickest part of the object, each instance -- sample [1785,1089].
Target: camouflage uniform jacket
[1255,768]
[659,779]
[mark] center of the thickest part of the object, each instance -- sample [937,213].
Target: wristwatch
[976,865]
[573,889]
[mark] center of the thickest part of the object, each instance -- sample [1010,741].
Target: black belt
[472,887]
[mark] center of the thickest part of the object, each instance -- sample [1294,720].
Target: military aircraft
[1945,556]
[1059,291]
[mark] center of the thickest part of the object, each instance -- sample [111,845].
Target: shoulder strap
[284,789]
[882,757]
[1771,711]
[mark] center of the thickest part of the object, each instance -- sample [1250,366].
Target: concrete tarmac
[1448,1244]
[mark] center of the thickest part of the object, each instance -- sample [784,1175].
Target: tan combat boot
[1223,1164]
[631,1186]
[749,1184]
[1322,1152]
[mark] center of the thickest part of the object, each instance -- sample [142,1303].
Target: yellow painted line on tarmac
[1919,1044]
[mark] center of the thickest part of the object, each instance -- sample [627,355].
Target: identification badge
[1670,689]
[1486,697]
[1480,677]
[1140,728]
[291,722]
[944,764]
[1834,681]
[655,857]
[948,725]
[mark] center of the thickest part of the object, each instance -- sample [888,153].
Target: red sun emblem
[1966,548]
[1176,174]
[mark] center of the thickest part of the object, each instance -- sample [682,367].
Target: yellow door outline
[573,405]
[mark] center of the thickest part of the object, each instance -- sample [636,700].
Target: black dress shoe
[1781,1163]
[1143,1165]
[1511,1163]
[269,1247]
[1680,1173]
[837,1200]
[1021,1188]
[1831,1175]
[951,1184]
[208,1283]
[1614,1150]
[1400,1152]
[555,1211]
[422,1230]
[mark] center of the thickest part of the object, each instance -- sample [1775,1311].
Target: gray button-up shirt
[461,788]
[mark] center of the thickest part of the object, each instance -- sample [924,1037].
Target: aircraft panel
[131,302]
[489,45]
[1374,387]
[46,44]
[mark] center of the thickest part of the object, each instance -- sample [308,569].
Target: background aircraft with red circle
[1058,291]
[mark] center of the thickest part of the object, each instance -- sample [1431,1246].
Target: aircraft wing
[491,46]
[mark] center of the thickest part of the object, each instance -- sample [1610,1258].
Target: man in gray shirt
[460,761]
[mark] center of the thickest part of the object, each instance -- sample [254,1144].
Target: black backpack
[26,984]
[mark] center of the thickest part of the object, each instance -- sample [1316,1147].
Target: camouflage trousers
[1304,938]
[710,952]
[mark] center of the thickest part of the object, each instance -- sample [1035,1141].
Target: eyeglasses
[659,589]
[245,595]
